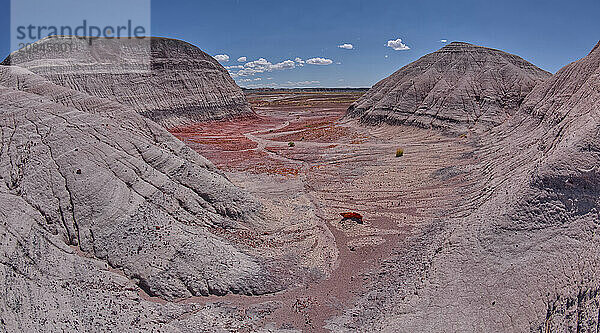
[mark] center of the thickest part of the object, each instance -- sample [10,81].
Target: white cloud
[222,57]
[306,83]
[287,64]
[262,85]
[319,61]
[301,83]
[263,65]
[261,62]
[242,59]
[248,71]
[346,46]
[443,40]
[397,45]
[248,83]
[387,56]
[250,80]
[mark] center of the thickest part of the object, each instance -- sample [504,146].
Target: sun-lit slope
[527,258]
[459,87]
[169,81]
[82,176]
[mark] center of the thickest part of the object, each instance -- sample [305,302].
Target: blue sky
[549,34]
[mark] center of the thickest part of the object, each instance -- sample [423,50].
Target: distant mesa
[169,81]
[459,87]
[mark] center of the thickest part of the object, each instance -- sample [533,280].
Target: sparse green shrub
[399,152]
[291,144]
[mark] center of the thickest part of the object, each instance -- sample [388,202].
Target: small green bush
[291,144]
[399,152]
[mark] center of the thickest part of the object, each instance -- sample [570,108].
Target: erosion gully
[344,167]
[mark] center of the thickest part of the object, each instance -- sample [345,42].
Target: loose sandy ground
[336,165]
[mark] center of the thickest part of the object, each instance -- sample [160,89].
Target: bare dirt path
[339,166]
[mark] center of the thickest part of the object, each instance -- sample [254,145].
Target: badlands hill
[169,81]
[108,222]
[526,259]
[459,87]
[98,203]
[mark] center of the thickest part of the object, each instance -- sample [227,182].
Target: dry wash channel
[301,152]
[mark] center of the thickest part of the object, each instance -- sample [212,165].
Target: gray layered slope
[459,87]
[528,259]
[169,81]
[88,186]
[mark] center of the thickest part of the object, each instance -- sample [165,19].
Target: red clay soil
[224,144]
[344,168]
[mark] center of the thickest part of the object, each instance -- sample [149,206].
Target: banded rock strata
[169,81]
[88,188]
[457,88]
[526,259]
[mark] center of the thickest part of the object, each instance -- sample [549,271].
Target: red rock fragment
[352,216]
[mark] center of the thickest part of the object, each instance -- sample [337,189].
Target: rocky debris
[457,88]
[356,217]
[356,244]
[526,257]
[169,81]
[89,189]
